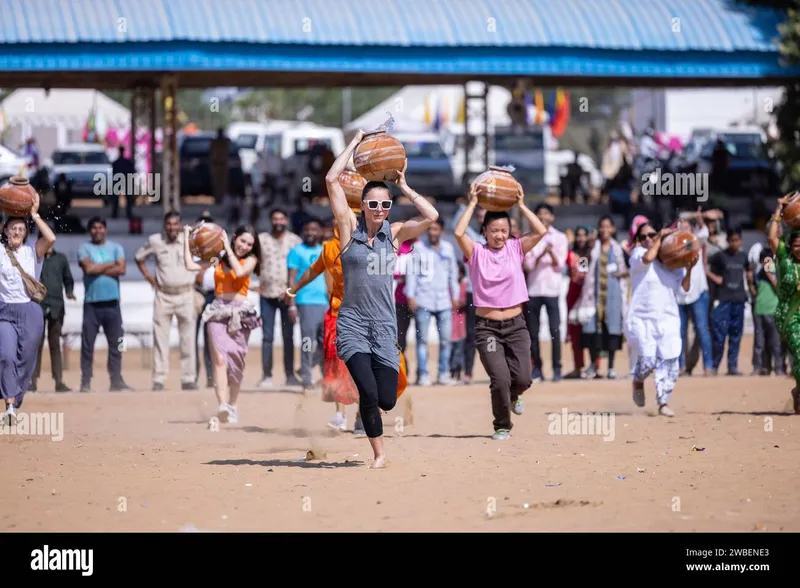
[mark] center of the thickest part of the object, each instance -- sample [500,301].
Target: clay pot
[497,189]
[17,197]
[791,212]
[379,157]
[206,241]
[679,249]
[353,185]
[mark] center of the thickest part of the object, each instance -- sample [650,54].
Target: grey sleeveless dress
[367,321]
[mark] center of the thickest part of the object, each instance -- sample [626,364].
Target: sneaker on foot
[519,406]
[9,417]
[293,382]
[265,383]
[501,434]
[665,410]
[61,387]
[338,422]
[358,429]
[424,380]
[223,412]
[536,375]
[233,416]
[158,387]
[638,393]
[445,380]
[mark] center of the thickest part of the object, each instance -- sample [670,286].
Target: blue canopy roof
[626,38]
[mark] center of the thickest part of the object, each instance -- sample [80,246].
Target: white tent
[57,117]
[70,107]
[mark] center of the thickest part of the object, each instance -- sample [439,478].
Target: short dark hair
[493,215]
[95,220]
[543,206]
[605,217]
[171,214]
[733,232]
[439,222]
[278,211]
[312,220]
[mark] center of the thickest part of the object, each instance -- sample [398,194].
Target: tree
[787,114]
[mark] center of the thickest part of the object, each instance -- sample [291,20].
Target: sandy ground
[144,461]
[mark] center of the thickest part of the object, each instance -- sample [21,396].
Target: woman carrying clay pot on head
[21,318]
[366,328]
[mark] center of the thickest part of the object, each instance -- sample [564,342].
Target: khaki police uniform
[174,297]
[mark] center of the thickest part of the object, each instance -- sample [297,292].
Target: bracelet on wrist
[289,293]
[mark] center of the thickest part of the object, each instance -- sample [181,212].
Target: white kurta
[653,323]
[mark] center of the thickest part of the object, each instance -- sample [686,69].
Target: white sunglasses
[374,204]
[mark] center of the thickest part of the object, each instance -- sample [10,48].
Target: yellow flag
[539,107]
[462,111]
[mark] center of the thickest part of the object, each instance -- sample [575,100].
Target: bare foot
[379,463]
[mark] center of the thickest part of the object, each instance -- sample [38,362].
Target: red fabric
[574,336]
[337,384]
[573,294]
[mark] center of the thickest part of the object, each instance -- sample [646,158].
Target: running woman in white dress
[653,323]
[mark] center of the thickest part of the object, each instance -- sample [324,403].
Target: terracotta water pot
[497,189]
[379,157]
[206,241]
[17,197]
[679,249]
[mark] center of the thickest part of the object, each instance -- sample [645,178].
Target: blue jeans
[444,324]
[698,312]
[727,320]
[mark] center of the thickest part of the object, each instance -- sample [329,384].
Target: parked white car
[11,163]
[80,162]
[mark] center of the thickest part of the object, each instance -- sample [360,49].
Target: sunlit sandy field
[144,461]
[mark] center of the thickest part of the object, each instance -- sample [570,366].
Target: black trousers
[53,324]
[377,389]
[767,344]
[550,304]
[105,315]
[505,348]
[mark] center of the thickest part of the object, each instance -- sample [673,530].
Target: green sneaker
[519,406]
[501,434]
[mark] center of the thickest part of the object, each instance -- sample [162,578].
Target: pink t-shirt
[497,277]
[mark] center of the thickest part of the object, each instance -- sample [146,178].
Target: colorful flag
[427,119]
[461,117]
[539,107]
[530,109]
[558,123]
